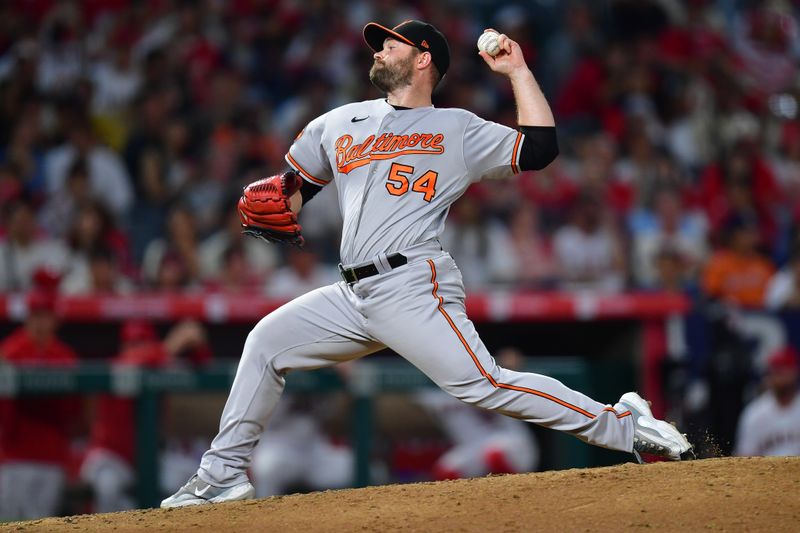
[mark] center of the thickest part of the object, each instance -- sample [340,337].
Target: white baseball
[488,43]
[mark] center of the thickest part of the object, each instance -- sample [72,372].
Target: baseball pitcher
[399,163]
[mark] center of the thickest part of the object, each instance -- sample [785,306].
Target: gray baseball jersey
[397,173]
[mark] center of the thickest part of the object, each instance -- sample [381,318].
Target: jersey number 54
[398,180]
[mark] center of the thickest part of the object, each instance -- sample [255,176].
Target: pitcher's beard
[389,78]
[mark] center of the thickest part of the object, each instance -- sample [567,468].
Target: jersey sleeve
[307,155]
[491,150]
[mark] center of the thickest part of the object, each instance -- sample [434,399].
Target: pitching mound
[740,494]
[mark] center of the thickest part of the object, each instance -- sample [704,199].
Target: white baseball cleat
[198,492]
[653,436]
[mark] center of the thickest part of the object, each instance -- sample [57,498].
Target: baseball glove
[265,212]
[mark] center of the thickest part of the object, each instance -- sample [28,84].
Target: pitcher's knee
[259,351]
[268,339]
[480,394]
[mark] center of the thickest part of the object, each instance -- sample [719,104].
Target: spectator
[150,132]
[96,272]
[203,194]
[24,250]
[681,371]
[172,275]
[35,432]
[17,82]
[770,424]
[108,466]
[315,98]
[161,162]
[10,185]
[686,135]
[741,180]
[61,210]
[671,270]
[694,37]
[588,251]
[61,60]
[174,262]
[589,91]
[783,291]
[25,154]
[665,225]
[763,41]
[738,274]
[639,168]
[236,274]
[303,273]
[94,228]
[228,124]
[594,171]
[787,162]
[688,49]
[552,191]
[193,50]
[568,43]
[108,178]
[115,80]
[532,250]
[259,258]
[479,243]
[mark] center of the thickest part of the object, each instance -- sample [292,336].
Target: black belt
[351,275]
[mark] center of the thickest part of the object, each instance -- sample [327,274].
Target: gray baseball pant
[418,311]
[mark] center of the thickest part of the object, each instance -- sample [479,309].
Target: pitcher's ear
[424,59]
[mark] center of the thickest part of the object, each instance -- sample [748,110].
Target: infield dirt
[758,494]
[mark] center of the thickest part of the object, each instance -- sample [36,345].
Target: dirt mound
[740,494]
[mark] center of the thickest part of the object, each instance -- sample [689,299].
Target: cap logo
[424,44]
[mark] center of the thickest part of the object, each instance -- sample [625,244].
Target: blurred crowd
[128,129]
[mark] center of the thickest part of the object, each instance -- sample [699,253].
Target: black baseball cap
[418,34]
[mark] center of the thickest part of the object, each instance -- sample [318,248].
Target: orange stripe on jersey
[488,376]
[351,166]
[344,169]
[303,172]
[619,415]
[514,168]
